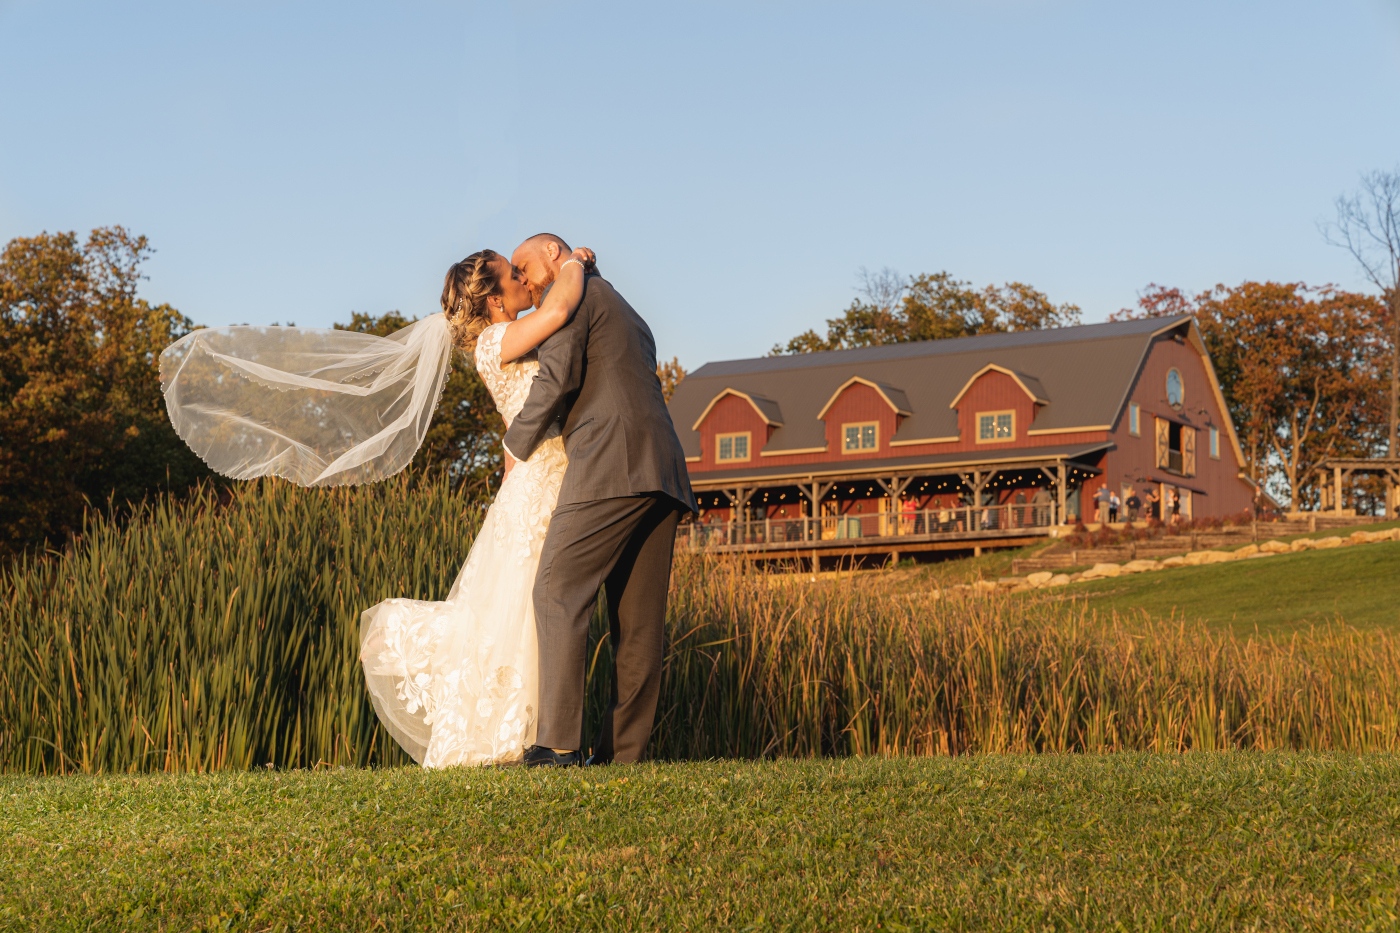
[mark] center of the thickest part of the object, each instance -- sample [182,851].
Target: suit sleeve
[556,385]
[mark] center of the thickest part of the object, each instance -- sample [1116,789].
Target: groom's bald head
[542,240]
[539,259]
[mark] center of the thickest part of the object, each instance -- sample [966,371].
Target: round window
[1175,394]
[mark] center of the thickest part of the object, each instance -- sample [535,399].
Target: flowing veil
[315,406]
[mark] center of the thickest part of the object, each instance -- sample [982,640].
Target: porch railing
[908,524]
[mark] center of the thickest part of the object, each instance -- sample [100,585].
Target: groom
[624,491]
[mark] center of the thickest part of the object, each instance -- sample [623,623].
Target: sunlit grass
[1279,595]
[1230,841]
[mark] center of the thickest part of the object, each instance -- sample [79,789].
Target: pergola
[1342,469]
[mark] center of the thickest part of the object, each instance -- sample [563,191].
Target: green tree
[931,307]
[465,436]
[82,419]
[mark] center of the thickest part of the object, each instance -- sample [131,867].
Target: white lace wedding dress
[457,682]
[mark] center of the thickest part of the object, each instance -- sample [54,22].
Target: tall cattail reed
[202,635]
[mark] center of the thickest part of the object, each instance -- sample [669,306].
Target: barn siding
[1133,459]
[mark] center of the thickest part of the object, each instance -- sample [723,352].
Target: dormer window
[995,426]
[861,436]
[732,448]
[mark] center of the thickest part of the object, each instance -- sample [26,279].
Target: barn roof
[1083,373]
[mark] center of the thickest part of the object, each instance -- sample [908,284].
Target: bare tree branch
[1368,227]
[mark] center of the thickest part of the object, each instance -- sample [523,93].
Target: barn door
[1164,433]
[1188,451]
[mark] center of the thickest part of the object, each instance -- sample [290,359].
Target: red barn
[947,444]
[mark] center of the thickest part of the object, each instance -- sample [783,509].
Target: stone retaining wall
[1106,569]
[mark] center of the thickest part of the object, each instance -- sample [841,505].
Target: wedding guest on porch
[1101,499]
[1040,506]
[1133,503]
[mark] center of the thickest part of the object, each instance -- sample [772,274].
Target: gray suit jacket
[597,385]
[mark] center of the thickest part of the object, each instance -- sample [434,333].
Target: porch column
[814,491]
[977,481]
[1337,490]
[1057,483]
[1063,494]
[894,487]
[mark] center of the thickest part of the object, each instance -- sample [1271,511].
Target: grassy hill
[1083,842]
[1356,585]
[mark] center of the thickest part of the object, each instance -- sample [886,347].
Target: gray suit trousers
[625,543]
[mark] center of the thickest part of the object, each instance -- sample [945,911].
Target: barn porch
[891,508]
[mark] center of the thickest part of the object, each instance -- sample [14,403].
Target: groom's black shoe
[537,756]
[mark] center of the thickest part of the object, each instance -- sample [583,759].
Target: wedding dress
[456,682]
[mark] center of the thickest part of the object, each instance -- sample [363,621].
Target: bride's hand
[586,256]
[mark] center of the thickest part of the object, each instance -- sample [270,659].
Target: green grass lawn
[1159,842]
[1359,585]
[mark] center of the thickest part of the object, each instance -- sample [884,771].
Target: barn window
[993,426]
[1134,419]
[732,447]
[1176,448]
[1215,443]
[1176,392]
[864,435]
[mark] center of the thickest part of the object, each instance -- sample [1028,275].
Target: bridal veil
[318,407]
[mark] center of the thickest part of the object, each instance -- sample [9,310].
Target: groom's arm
[556,385]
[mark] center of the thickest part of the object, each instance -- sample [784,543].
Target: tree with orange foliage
[81,413]
[671,374]
[1299,370]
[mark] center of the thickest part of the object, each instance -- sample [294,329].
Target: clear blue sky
[735,165]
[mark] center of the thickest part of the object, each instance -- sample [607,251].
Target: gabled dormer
[735,427]
[861,417]
[998,405]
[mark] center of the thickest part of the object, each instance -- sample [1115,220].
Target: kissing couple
[595,484]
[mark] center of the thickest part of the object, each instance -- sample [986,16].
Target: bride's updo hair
[469,283]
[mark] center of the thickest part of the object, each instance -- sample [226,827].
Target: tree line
[82,419]
[1307,372]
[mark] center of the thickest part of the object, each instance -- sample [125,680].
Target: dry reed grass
[206,636]
[804,669]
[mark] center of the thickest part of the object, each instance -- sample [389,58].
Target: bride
[455,682]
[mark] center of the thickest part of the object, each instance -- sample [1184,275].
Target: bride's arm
[530,331]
